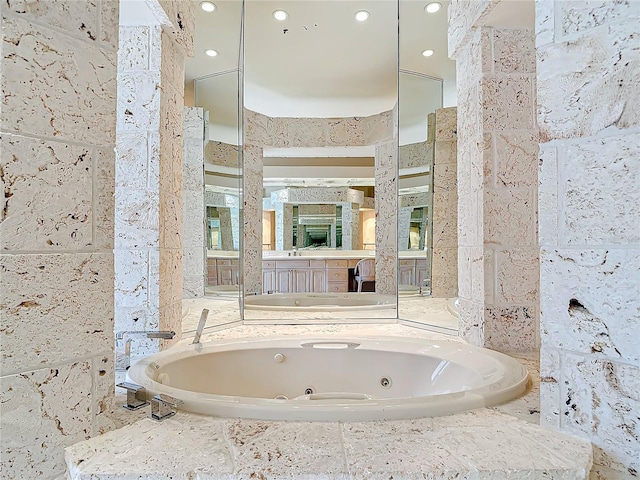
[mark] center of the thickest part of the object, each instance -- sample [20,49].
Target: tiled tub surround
[589,200]
[488,443]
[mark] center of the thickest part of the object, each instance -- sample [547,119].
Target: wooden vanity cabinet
[337,275]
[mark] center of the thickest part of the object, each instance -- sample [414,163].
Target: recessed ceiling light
[427,53]
[211,53]
[433,7]
[208,6]
[362,15]
[280,15]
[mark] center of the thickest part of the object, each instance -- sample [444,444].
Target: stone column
[444,267]
[589,198]
[386,206]
[148,245]
[497,145]
[284,225]
[194,239]
[226,228]
[350,225]
[58,126]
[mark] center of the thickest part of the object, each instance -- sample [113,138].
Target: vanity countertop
[316,254]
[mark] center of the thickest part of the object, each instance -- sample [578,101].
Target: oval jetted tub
[330,379]
[320,302]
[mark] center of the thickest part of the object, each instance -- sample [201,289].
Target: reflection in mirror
[319,162]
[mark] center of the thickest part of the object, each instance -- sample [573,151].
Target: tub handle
[330,345]
[337,396]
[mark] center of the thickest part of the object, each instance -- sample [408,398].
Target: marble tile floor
[501,442]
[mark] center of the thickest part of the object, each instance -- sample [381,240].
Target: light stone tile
[599,472]
[509,217]
[468,219]
[137,219]
[36,216]
[601,402]
[132,164]
[138,101]
[42,412]
[486,277]
[175,438]
[574,315]
[309,132]
[507,102]
[109,22]
[471,327]
[103,394]
[132,282]
[171,211]
[608,83]
[285,449]
[446,153]
[479,417]
[599,191]
[445,178]
[38,60]
[518,275]
[445,231]
[378,129]
[445,261]
[194,123]
[513,51]
[511,329]
[277,132]
[74,326]
[104,187]
[550,388]
[548,196]
[182,18]
[464,272]
[517,159]
[193,166]
[463,15]
[78,19]
[219,153]
[193,223]
[581,17]
[446,124]
[545,18]
[134,52]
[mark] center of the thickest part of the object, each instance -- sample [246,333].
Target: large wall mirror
[337,163]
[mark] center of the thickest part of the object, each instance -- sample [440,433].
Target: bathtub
[329,379]
[320,302]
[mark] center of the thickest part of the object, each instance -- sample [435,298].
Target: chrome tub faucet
[123,344]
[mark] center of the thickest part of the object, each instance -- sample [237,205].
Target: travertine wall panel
[444,271]
[590,227]
[386,203]
[193,225]
[497,178]
[57,122]
[220,153]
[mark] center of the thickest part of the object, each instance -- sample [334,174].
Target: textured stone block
[138,101]
[517,276]
[446,124]
[49,83]
[471,327]
[194,123]
[109,23]
[44,411]
[445,261]
[446,152]
[516,159]
[445,179]
[104,187]
[590,301]
[507,102]
[45,326]
[576,17]
[509,217]
[132,282]
[132,164]
[468,214]
[545,17]
[511,329]
[134,52]
[601,401]
[78,19]
[463,15]
[513,51]
[600,191]
[181,16]
[378,129]
[103,396]
[137,219]
[550,388]
[47,195]
[464,272]
[548,195]
[609,69]
[310,132]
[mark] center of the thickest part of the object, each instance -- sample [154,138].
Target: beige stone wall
[57,122]
[497,156]
[589,200]
[444,266]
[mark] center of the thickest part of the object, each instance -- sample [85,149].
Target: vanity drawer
[220,262]
[407,263]
[337,287]
[337,263]
[268,264]
[289,264]
[337,275]
[316,263]
[353,261]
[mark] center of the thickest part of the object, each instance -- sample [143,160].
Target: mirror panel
[321,137]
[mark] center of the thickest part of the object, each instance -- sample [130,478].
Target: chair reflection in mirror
[365,271]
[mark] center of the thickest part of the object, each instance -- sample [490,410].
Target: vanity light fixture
[208,6]
[362,15]
[427,53]
[280,15]
[433,7]
[211,53]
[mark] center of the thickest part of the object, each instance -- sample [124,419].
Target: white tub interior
[329,379]
[320,301]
